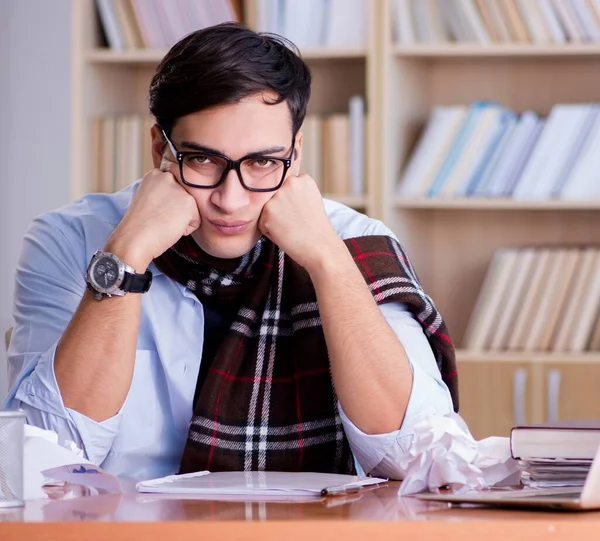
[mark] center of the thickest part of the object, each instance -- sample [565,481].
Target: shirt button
[185,368]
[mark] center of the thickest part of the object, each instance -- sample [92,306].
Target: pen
[340,490]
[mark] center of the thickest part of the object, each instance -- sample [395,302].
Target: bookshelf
[470,203]
[451,241]
[150,56]
[109,82]
[510,50]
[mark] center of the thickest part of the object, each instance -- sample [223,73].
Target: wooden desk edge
[309,530]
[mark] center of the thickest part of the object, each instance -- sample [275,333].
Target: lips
[230,228]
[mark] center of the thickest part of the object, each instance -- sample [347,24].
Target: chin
[227,247]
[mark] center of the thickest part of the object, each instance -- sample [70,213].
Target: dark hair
[224,64]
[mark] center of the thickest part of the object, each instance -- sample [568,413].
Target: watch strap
[136,283]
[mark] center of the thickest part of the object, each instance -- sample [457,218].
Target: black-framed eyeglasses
[209,169]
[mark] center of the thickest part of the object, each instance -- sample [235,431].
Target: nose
[231,195]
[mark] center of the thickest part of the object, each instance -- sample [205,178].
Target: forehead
[239,128]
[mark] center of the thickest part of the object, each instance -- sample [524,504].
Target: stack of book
[315,23]
[121,151]
[159,24]
[555,454]
[538,299]
[486,150]
[333,150]
[497,21]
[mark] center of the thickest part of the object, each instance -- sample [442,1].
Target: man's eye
[200,159]
[262,163]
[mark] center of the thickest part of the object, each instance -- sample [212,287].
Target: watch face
[105,272]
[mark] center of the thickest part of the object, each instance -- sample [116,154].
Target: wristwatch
[107,275]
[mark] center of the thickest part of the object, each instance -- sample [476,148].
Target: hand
[295,219]
[160,213]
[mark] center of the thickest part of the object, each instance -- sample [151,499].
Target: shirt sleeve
[48,288]
[378,453]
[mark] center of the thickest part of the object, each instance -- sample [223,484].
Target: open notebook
[255,484]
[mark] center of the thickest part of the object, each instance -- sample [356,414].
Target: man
[230,320]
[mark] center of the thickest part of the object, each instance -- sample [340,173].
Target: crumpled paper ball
[444,453]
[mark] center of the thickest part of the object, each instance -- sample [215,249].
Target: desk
[375,515]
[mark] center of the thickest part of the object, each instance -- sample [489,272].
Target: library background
[470,127]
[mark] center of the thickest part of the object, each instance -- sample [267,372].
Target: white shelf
[468,203]
[472,50]
[149,56]
[463,355]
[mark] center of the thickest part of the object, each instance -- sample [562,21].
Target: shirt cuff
[379,453]
[39,389]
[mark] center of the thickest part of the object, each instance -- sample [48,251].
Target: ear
[297,158]
[158,144]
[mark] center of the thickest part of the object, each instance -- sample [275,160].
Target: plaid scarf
[268,402]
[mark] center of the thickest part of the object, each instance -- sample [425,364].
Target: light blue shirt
[145,439]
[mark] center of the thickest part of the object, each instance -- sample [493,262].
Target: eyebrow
[201,148]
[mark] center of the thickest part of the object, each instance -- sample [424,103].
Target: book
[558,299]
[345,23]
[515,155]
[581,140]
[455,20]
[575,300]
[256,484]
[472,19]
[431,150]
[581,183]
[543,311]
[534,21]
[482,185]
[422,21]
[570,23]
[594,344]
[559,141]
[311,148]
[439,30]
[466,164]
[96,167]
[110,25]
[460,143]
[488,306]
[588,310]
[516,26]
[128,24]
[108,154]
[356,111]
[403,24]
[530,302]
[587,20]
[512,300]
[487,17]
[490,154]
[521,158]
[552,23]
[499,19]
[570,439]
[336,154]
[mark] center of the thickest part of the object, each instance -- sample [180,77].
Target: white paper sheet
[444,452]
[285,484]
[87,475]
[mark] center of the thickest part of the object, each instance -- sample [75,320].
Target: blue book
[457,148]
[483,186]
[506,119]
